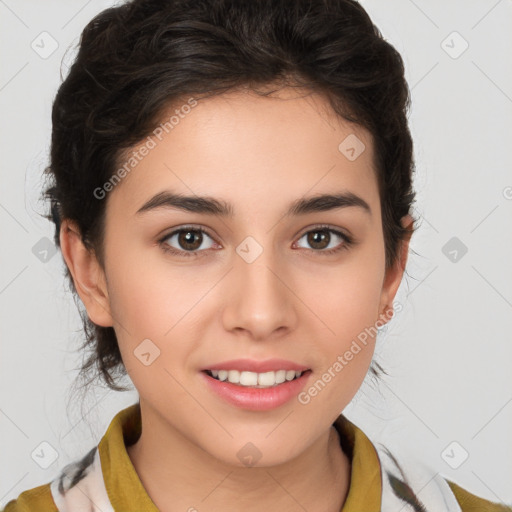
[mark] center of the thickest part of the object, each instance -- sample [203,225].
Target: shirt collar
[365,476]
[126,491]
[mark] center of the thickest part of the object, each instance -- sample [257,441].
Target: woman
[232,195]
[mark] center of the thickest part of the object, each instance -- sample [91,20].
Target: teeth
[252,379]
[249,378]
[234,376]
[280,376]
[290,375]
[266,379]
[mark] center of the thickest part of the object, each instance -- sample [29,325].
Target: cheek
[147,293]
[347,297]
[149,302]
[347,303]
[150,318]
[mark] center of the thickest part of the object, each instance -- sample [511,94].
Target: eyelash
[348,241]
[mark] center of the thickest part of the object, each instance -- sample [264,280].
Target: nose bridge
[261,301]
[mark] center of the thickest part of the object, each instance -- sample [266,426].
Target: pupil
[316,237]
[186,237]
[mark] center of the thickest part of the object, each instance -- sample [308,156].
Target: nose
[260,299]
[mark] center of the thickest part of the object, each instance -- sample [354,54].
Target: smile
[256,391]
[253,379]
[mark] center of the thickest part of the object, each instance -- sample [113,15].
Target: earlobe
[394,274]
[87,273]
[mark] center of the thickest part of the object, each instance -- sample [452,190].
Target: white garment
[432,493]
[89,493]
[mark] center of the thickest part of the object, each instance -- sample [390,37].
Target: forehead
[251,147]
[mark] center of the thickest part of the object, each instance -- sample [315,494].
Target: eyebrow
[211,206]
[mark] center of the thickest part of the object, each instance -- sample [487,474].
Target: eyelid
[184,227]
[189,227]
[327,227]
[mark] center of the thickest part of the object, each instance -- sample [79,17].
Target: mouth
[247,379]
[256,385]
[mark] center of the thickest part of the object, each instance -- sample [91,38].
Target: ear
[394,275]
[87,274]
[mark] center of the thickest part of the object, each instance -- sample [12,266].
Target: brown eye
[186,241]
[318,239]
[189,239]
[321,240]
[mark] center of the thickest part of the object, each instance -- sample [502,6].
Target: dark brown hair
[137,59]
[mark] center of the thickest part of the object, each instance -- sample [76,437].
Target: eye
[322,241]
[188,240]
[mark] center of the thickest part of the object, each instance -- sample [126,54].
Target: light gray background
[448,352]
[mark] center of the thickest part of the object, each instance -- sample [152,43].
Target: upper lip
[251,365]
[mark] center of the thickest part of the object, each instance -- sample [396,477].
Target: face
[189,289]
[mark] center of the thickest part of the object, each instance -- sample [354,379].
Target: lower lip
[257,399]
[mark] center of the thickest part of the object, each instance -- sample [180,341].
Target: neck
[178,475]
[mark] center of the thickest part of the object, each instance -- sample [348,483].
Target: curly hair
[138,58]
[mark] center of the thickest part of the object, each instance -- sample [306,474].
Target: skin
[292,302]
